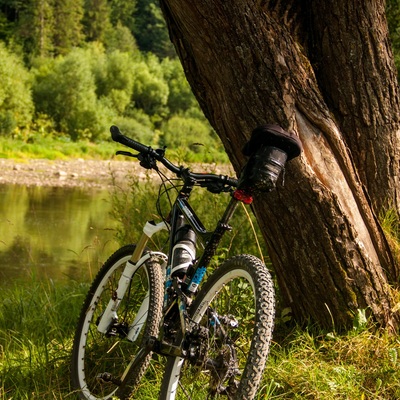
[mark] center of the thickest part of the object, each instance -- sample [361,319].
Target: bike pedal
[106,377]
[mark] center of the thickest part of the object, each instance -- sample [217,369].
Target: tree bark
[355,71]
[256,62]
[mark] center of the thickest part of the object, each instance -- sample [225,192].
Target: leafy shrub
[65,89]
[136,130]
[194,139]
[16,106]
[150,90]
[114,79]
[181,97]
[120,38]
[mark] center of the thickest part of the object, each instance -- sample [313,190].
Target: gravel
[80,172]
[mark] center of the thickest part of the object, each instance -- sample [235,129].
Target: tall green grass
[52,148]
[308,363]
[37,321]
[61,147]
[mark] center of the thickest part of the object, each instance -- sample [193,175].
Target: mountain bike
[212,329]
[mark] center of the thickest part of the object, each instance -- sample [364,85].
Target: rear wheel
[101,365]
[229,347]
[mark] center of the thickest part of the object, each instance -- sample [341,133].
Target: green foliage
[96,19]
[16,105]
[180,97]
[36,27]
[123,12]
[29,144]
[390,223]
[190,137]
[150,29]
[36,327]
[38,317]
[150,91]
[68,16]
[37,321]
[87,73]
[114,79]
[89,87]
[306,363]
[120,38]
[67,92]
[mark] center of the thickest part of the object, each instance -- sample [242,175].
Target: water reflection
[53,232]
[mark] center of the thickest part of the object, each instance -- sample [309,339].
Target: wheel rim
[232,297]
[98,354]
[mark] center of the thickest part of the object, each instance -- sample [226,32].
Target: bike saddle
[275,136]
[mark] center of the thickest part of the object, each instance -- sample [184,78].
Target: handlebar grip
[117,136]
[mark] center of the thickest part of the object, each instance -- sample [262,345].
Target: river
[55,233]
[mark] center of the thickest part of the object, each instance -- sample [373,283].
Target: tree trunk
[297,64]
[359,82]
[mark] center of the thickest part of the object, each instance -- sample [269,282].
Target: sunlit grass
[62,148]
[312,364]
[390,223]
[38,317]
[37,321]
[55,148]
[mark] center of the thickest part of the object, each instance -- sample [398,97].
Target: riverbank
[67,173]
[79,172]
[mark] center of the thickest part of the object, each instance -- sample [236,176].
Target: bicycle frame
[195,274]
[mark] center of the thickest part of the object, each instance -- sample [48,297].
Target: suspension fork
[110,315]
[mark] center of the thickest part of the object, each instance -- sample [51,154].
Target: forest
[71,68]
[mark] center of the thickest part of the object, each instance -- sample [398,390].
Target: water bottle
[184,250]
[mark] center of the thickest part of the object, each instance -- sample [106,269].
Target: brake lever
[126,153]
[147,162]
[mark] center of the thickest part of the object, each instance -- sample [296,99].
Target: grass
[310,364]
[37,146]
[37,320]
[61,147]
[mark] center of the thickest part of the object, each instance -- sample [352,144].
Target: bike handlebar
[181,172]
[117,136]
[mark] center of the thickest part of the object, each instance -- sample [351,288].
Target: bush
[192,138]
[136,130]
[114,79]
[16,106]
[120,38]
[65,89]
[150,90]
[181,97]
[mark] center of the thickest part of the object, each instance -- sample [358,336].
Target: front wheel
[101,360]
[233,318]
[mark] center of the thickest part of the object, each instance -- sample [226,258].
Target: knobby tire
[225,291]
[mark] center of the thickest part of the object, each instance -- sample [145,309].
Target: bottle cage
[269,148]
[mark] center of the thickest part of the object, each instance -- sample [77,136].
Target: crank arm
[163,348]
